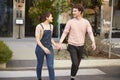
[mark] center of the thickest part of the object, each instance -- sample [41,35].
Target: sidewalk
[66,64]
[23,51]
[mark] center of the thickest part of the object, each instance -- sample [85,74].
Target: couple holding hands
[77,27]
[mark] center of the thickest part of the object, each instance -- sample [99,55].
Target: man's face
[76,12]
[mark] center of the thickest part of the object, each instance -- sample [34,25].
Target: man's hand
[59,46]
[93,46]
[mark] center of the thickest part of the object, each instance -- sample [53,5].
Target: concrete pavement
[64,72]
[94,73]
[23,54]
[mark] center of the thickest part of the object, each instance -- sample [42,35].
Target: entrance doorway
[29,28]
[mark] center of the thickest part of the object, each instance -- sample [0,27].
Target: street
[93,73]
[88,70]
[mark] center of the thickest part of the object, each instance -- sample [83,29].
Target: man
[77,28]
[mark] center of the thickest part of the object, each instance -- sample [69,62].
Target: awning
[89,11]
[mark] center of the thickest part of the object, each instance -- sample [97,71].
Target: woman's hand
[59,46]
[46,50]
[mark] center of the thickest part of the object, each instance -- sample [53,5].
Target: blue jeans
[50,61]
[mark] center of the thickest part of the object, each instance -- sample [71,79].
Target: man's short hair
[79,7]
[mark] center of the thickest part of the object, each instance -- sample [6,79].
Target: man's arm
[64,34]
[90,33]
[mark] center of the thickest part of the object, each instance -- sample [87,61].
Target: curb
[88,63]
[66,64]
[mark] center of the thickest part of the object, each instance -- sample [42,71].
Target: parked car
[115,33]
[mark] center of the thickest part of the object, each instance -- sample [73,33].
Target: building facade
[18,18]
[15,22]
[6,18]
[106,18]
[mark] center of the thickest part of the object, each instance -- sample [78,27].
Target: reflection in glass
[6,17]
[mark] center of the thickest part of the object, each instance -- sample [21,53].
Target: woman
[43,34]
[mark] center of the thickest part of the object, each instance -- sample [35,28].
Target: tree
[41,6]
[59,6]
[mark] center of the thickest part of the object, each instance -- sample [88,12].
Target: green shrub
[100,46]
[5,53]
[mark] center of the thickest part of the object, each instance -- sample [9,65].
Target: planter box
[2,65]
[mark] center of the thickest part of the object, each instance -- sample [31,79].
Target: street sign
[19,21]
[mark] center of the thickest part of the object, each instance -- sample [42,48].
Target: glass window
[118,5]
[6,17]
[18,14]
[29,28]
[22,1]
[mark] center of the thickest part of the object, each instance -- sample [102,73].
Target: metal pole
[59,19]
[19,33]
[110,29]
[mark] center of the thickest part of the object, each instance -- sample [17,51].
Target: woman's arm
[52,40]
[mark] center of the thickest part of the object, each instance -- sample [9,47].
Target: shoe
[72,79]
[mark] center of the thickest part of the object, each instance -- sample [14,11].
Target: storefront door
[6,18]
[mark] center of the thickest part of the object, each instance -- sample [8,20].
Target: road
[93,73]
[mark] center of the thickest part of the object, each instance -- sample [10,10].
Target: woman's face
[50,18]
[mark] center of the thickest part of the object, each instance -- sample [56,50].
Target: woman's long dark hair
[43,16]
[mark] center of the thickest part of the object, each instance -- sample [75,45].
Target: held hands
[59,46]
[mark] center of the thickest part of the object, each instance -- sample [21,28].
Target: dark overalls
[46,41]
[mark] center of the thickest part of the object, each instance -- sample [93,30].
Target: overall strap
[42,26]
[50,26]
